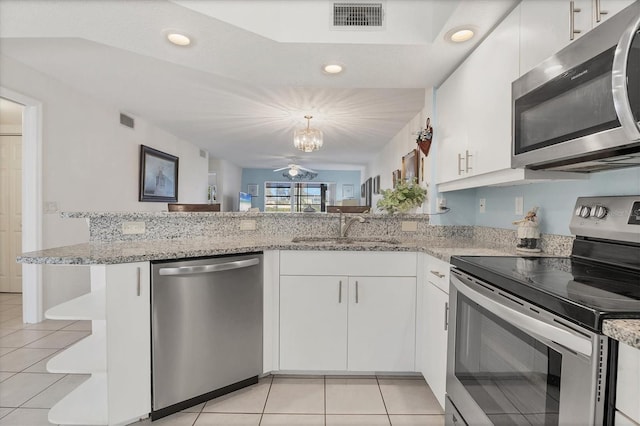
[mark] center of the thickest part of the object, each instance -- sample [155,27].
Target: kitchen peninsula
[118,304]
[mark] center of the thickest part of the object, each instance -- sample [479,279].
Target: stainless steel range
[526,345]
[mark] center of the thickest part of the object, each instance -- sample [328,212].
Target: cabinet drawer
[437,273]
[389,264]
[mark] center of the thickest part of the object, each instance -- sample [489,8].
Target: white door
[313,323]
[10,213]
[382,323]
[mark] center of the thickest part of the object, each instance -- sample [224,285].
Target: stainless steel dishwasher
[206,326]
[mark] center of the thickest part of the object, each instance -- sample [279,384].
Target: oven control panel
[611,218]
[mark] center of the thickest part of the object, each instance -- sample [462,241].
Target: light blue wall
[260,176]
[555,200]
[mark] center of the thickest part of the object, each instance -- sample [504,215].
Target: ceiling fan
[295,169]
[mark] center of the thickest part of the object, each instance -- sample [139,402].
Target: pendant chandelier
[307,140]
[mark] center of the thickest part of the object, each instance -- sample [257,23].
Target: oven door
[511,363]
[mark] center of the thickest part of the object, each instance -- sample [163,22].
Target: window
[295,196]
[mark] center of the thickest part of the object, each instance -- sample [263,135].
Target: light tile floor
[27,391]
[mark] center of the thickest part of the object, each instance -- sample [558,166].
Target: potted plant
[405,196]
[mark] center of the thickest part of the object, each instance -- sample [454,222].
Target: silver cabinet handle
[356,291]
[340,292]
[139,281]
[205,269]
[466,161]
[599,11]
[572,20]
[630,124]
[446,316]
[437,274]
[460,169]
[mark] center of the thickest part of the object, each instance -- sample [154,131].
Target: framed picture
[396,175]
[347,191]
[362,190]
[252,189]
[158,176]
[376,184]
[410,166]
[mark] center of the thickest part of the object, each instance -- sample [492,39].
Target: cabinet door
[451,135]
[382,323]
[313,323]
[495,66]
[434,350]
[128,314]
[628,383]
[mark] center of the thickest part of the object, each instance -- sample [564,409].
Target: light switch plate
[247,225]
[409,226]
[483,205]
[519,205]
[133,228]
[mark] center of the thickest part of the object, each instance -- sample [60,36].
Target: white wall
[229,183]
[390,157]
[91,163]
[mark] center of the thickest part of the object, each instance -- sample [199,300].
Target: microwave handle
[621,102]
[538,329]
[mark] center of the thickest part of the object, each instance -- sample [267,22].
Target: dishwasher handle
[205,269]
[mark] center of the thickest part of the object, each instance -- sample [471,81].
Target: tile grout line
[383,401]
[264,407]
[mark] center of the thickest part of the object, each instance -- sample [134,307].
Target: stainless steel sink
[346,240]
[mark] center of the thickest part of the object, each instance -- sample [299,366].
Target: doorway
[31,205]
[10,195]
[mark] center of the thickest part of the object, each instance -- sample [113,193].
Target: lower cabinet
[435,308]
[342,323]
[628,386]
[348,321]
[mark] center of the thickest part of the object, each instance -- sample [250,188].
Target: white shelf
[85,405]
[89,355]
[90,306]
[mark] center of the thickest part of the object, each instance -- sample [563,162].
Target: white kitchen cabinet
[119,389]
[313,323]
[381,323]
[546,25]
[435,305]
[337,315]
[628,385]
[474,107]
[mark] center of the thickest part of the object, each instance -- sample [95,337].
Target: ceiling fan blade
[281,168]
[308,170]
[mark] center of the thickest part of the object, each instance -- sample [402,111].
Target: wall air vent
[125,120]
[358,15]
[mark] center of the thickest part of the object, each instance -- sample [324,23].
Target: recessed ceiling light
[333,69]
[459,35]
[179,39]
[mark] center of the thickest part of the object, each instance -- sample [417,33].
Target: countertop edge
[623,330]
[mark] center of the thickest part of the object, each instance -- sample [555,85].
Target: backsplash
[107,227]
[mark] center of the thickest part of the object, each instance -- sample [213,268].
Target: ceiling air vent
[357,15]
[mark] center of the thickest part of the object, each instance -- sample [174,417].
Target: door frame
[32,298]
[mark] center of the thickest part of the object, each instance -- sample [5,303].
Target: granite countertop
[623,330]
[138,251]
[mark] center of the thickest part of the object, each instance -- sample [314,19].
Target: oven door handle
[541,330]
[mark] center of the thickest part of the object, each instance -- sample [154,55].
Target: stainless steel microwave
[579,110]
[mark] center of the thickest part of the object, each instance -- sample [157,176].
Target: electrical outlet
[409,226]
[483,205]
[247,225]
[519,205]
[133,228]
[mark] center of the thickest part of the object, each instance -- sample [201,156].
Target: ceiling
[254,68]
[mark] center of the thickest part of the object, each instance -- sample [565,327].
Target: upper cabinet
[548,26]
[474,107]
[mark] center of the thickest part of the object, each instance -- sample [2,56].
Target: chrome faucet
[345,223]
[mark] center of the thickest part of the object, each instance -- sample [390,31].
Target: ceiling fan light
[293,171]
